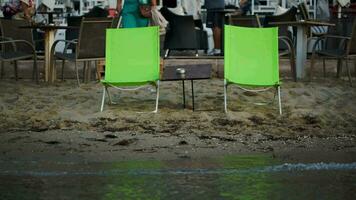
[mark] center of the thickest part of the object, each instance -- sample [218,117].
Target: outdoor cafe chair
[344,51]
[17,44]
[132,59]
[252,21]
[243,68]
[182,33]
[286,42]
[90,45]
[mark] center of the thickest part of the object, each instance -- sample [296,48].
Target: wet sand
[63,122]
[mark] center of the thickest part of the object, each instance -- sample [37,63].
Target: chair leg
[63,63]
[339,68]
[109,95]
[291,59]
[157,97]
[103,100]
[279,100]
[348,71]
[292,65]
[166,54]
[3,69]
[355,66]
[324,68]
[84,70]
[15,70]
[77,73]
[35,70]
[225,96]
[312,63]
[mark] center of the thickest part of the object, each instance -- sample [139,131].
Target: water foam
[287,167]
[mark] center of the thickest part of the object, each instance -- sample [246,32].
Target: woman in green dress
[130,12]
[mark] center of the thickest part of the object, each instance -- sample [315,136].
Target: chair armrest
[36,41]
[5,38]
[288,42]
[68,42]
[342,39]
[13,42]
[65,41]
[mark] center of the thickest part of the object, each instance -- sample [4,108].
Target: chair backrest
[11,28]
[91,43]
[245,21]
[115,22]
[343,27]
[351,46]
[289,16]
[181,34]
[251,56]
[132,55]
[304,12]
[74,21]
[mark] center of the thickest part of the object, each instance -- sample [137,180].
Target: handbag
[158,20]
[145,8]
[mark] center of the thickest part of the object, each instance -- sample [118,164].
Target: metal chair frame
[345,45]
[77,44]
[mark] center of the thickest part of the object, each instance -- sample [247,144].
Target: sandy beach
[62,121]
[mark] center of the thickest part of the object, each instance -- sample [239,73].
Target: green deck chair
[251,59]
[132,59]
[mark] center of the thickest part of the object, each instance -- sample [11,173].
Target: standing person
[214,20]
[130,12]
[19,9]
[27,10]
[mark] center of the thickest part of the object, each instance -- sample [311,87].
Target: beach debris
[126,142]
[110,136]
[221,138]
[256,120]
[143,150]
[250,94]
[225,122]
[97,139]
[183,142]
[52,142]
[311,119]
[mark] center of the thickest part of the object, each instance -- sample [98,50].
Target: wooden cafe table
[49,34]
[302,39]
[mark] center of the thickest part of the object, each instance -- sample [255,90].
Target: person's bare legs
[217,39]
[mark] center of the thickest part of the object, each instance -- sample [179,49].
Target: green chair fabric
[251,57]
[132,59]
[132,56]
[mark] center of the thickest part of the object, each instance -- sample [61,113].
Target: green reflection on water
[246,185]
[173,186]
[129,186]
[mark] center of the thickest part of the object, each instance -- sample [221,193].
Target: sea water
[231,177]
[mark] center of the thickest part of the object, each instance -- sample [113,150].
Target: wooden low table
[192,72]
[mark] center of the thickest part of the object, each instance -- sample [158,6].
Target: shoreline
[318,116]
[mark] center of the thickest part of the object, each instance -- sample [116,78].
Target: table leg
[183,94]
[301,51]
[50,18]
[50,72]
[191,81]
